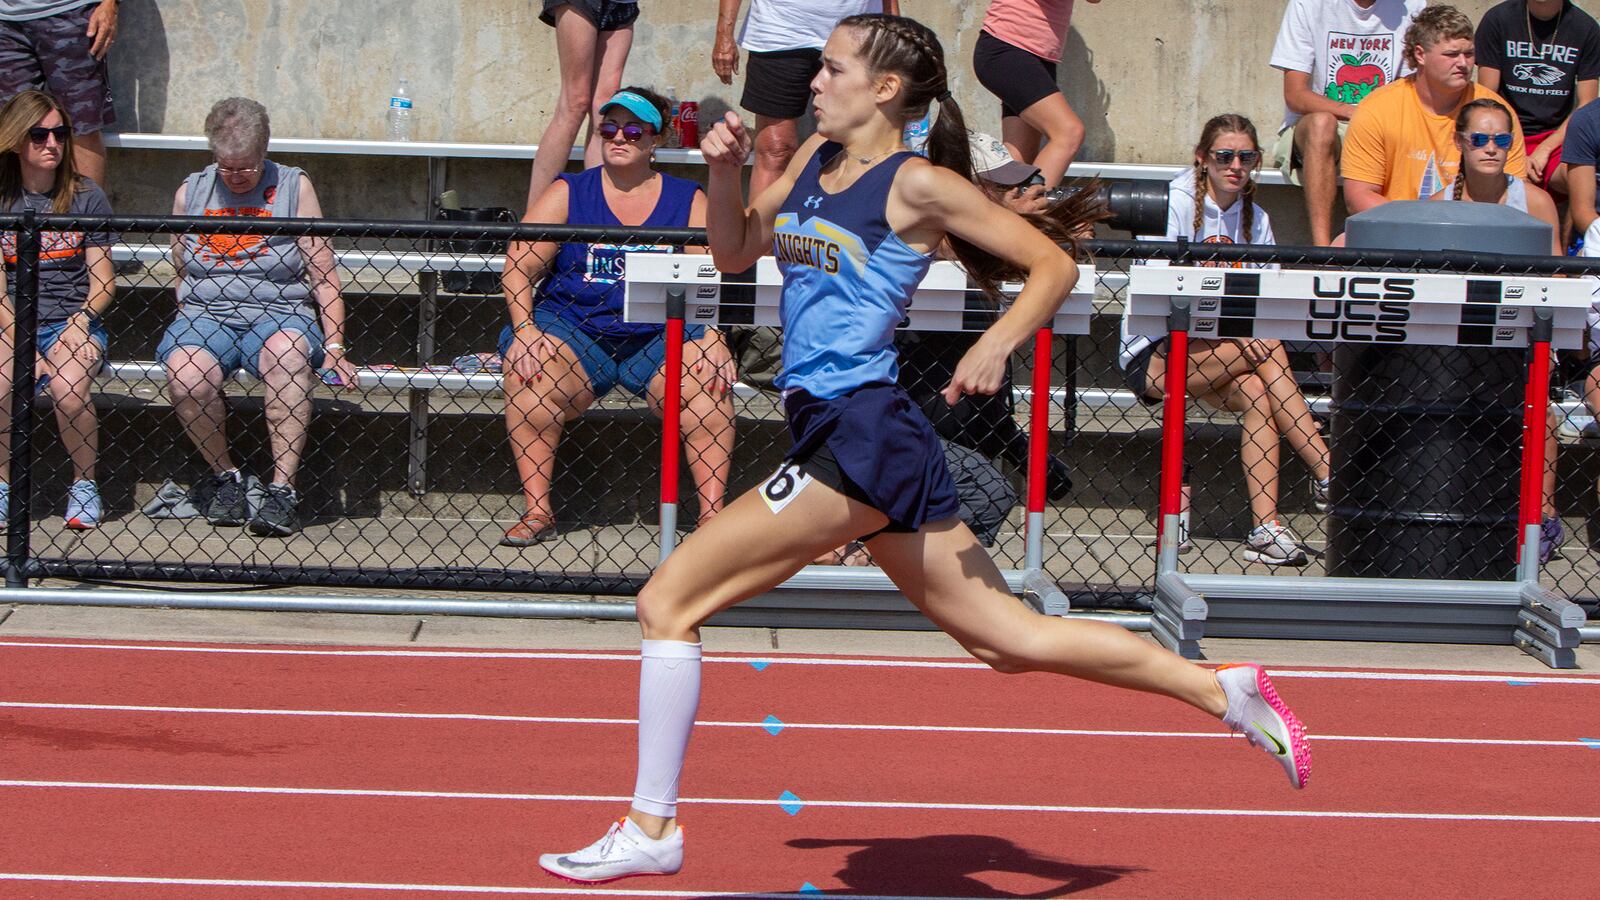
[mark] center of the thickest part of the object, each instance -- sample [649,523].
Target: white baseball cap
[992,162]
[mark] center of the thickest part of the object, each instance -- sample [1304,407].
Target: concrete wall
[1143,74]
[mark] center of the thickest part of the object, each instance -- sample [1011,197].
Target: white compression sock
[669,697]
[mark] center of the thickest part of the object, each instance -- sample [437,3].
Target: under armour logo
[813,203]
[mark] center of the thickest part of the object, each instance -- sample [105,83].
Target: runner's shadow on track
[945,865]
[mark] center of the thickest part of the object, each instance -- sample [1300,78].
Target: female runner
[853,222]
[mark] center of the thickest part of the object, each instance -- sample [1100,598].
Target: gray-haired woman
[267,304]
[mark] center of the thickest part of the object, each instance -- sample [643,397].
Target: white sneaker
[84,508]
[1274,545]
[1256,710]
[625,850]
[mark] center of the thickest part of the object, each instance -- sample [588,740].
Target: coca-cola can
[689,124]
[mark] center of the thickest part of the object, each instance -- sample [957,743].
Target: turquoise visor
[643,109]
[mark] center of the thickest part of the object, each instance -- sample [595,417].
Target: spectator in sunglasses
[1483,136]
[1213,203]
[567,345]
[38,171]
[1401,142]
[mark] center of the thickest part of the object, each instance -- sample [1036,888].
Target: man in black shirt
[1544,57]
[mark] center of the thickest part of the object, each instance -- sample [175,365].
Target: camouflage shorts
[52,54]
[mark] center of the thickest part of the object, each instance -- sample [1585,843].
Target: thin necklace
[865,160]
[1544,48]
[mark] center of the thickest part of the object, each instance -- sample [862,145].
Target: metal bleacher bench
[419,381]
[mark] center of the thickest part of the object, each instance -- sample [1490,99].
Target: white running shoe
[625,850]
[1256,710]
[1274,545]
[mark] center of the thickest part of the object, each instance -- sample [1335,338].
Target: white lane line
[425,888]
[841,661]
[781,726]
[839,804]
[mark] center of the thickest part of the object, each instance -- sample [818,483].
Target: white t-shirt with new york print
[1348,51]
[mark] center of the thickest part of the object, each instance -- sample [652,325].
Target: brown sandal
[532,528]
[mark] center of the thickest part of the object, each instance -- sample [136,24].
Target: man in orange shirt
[1401,142]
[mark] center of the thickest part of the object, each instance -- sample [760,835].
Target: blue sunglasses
[1479,140]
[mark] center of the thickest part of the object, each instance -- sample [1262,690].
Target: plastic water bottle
[400,113]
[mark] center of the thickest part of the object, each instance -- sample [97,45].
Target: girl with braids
[1482,127]
[1484,137]
[854,222]
[1212,203]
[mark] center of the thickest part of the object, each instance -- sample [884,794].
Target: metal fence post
[19,516]
[671,415]
[1535,413]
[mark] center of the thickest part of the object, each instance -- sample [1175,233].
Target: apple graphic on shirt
[1355,79]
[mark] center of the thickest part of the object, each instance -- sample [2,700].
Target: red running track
[159,771]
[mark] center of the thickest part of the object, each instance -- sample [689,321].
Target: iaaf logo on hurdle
[1360,308]
[706,292]
[1505,335]
[705,313]
[1211,283]
[706,270]
[1209,305]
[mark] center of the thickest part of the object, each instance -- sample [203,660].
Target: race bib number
[784,485]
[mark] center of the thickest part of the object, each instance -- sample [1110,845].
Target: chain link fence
[406,476]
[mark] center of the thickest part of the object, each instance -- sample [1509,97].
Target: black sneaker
[225,505]
[277,516]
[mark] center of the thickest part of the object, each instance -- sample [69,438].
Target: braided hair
[1227,123]
[1463,116]
[911,50]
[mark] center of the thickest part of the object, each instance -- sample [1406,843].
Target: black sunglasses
[631,132]
[39,134]
[1225,157]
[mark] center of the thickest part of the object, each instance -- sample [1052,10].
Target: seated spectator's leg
[1290,414]
[777,140]
[706,422]
[611,55]
[286,363]
[1221,375]
[1053,117]
[1316,136]
[71,378]
[199,354]
[536,413]
[577,43]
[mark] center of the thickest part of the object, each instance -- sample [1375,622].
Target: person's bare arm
[739,234]
[1543,207]
[948,203]
[892,7]
[526,264]
[1489,77]
[1300,98]
[323,270]
[1580,196]
[1360,196]
[725,51]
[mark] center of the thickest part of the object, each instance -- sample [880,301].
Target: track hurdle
[1182,302]
[686,289]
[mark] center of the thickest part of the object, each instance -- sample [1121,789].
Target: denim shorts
[236,348]
[50,332]
[608,361]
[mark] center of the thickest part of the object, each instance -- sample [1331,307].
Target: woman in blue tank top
[567,345]
[852,223]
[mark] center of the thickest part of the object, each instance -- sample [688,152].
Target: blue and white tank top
[585,284]
[847,280]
